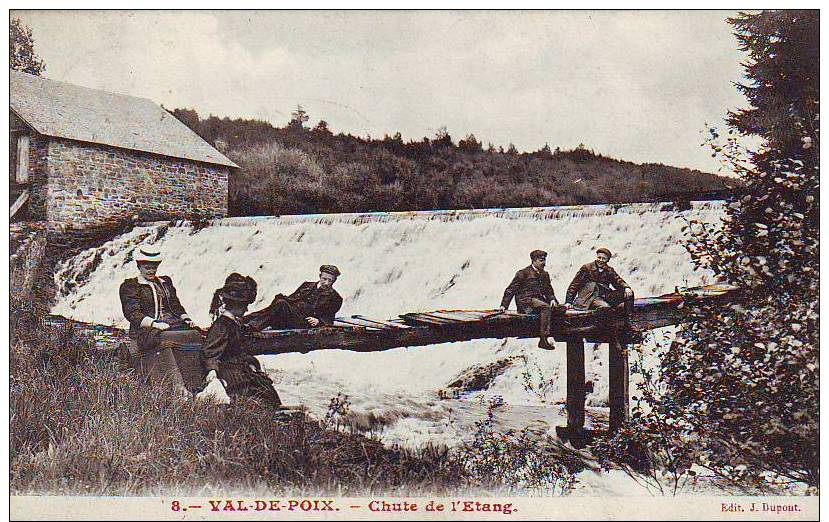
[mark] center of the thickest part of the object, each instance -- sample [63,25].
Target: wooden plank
[448,319]
[389,323]
[359,323]
[18,204]
[468,315]
[457,316]
[420,318]
[471,314]
[617,379]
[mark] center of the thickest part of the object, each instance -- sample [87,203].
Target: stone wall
[38,152]
[91,184]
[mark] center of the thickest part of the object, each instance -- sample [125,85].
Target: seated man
[157,319]
[313,304]
[597,285]
[225,357]
[534,294]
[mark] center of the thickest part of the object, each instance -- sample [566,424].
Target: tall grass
[82,424]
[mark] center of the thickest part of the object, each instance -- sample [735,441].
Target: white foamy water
[392,264]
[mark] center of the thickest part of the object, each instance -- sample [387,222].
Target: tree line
[309,169]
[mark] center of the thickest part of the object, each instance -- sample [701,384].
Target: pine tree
[545,151]
[298,118]
[470,144]
[744,377]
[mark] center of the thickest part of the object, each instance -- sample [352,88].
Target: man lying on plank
[313,304]
[534,294]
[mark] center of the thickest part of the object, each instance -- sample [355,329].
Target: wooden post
[627,381]
[618,383]
[575,385]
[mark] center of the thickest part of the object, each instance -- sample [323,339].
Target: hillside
[296,170]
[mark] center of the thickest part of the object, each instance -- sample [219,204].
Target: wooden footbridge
[364,334]
[618,330]
[613,326]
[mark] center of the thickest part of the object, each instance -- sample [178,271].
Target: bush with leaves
[745,375]
[655,447]
[517,460]
[22,55]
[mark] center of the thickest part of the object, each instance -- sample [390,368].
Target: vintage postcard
[411,265]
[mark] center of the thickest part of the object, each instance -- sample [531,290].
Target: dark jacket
[313,302]
[606,280]
[140,303]
[224,351]
[224,343]
[529,283]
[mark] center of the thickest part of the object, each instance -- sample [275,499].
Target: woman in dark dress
[225,357]
[163,335]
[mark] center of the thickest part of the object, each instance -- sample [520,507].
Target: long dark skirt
[244,377]
[160,367]
[172,356]
[280,314]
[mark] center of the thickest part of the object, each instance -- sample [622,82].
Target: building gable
[69,111]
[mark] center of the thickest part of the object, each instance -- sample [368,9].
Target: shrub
[746,374]
[518,460]
[654,447]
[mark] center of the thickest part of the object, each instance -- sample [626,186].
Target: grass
[82,424]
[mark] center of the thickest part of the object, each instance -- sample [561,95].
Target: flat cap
[535,254]
[330,269]
[603,250]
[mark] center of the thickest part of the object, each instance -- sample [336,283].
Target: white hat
[147,253]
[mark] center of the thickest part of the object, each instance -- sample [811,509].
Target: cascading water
[396,263]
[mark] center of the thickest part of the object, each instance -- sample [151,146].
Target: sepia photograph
[414,264]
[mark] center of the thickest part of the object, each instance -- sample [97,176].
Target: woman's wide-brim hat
[147,254]
[243,291]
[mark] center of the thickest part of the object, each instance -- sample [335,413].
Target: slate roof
[64,110]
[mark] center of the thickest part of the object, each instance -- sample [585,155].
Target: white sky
[638,86]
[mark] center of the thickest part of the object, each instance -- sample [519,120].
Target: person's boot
[579,438]
[544,344]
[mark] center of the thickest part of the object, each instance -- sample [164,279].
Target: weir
[443,265]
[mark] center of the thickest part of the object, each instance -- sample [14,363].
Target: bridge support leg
[618,395]
[575,385]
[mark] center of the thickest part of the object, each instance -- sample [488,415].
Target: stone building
[81,157]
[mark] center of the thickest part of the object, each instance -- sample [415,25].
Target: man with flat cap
[597,285]
[533,293]
[313,304]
